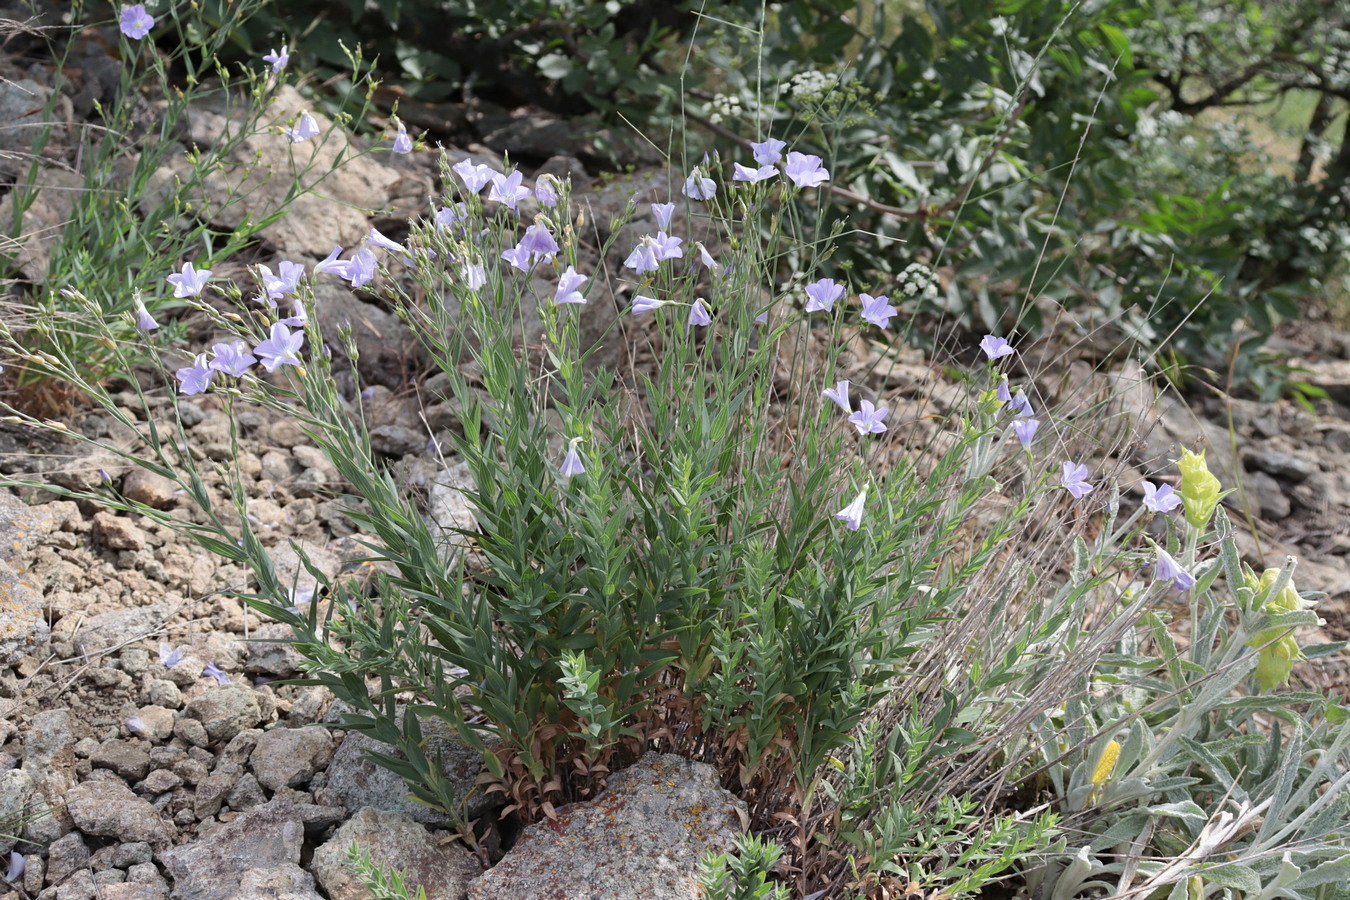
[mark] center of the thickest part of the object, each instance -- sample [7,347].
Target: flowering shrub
[735,554]
[667,568]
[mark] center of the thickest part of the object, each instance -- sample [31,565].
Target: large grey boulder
[214,866]
[360,782]
[641,838]
[341,182]
[442,870]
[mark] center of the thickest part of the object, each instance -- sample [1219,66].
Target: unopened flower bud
[1279,651]
[1200,490]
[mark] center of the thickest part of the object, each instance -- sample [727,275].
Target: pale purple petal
[768,152]
[852,514]
[839,394]
[995,347]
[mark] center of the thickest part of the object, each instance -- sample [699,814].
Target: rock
[130,762]
[132,890]
[117,532]
[210,794]
[262,169]
[1332,376]
[155,723]
[444,871]
[360,782]
[22,105]
[309,706]
[212,867]
[65,855]
[384,344]
[270,652]
[246,794]
[144,486]
[295,578]
[448,505]
[44,218]
[1269,496]
[641,838]
[79,886]
[109,809]
[396,440]
[49,743]
[1279,464]
[225,710]
[285,882]
[99,632]
[133,660]
[161,780]
[17,796]
[166,694]
[1321,492]
[23,527]
[122,856]
[23,628]
[539,135]
[289,757]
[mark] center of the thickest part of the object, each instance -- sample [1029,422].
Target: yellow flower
[1107,763]
[1200,490]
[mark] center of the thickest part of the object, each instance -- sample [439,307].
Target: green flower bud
[1276,661]
[1200,490]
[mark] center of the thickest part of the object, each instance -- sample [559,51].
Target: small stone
[211,793]
[192,731]
[192,771]
[289,757]
[130,762]
[396,440]
[160,780]
[132,890]
[117,532]
[106,678]
[145,873]
[246,794]
[189,413]
[270,652]
[130,853]
[166,694]
[79,886]
[309,706]
[134,660]
[144,486]
[234,758]
[286,882]
[156,723]
[225,710]
[65,855]
[287,432]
